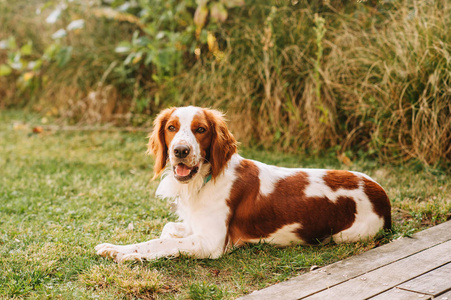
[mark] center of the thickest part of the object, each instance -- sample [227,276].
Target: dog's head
[189,137]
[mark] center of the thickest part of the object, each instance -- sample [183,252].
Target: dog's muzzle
[184,164]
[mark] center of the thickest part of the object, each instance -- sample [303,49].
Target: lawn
[63,192]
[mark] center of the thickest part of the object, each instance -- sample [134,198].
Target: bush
[354,77]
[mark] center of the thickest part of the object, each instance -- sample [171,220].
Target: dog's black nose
[181,151]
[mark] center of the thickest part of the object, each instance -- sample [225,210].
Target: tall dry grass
[392,81]
[296,76]
[383,78]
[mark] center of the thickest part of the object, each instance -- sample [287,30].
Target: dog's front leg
[194,245]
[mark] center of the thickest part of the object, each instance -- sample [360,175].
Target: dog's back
[281,205]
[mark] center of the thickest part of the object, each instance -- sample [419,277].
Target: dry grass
[384,81]
[129,282]
[380,87]
[393,81]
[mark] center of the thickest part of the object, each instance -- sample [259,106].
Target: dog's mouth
[183,172]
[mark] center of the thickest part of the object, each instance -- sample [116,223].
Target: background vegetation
[62,193]
[352,77]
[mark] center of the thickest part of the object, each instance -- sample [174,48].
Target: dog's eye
[171,128]
[201,130]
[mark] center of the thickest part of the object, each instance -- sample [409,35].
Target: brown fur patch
[223,144]
[157,143]
[203,139]
[255,216]
[336,179]
[169,135]
[380,201]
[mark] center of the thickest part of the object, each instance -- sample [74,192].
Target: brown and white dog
[224,200]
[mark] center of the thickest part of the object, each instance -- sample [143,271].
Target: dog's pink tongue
[182,170]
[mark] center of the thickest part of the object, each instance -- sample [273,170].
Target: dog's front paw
[119,253]
[115,252]
[107,250]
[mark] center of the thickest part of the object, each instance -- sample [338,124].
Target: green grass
[61,193]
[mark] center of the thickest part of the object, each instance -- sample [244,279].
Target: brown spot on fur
[203,139]
[326,218]
[255,216]
[223,144]
[341,179]
[169,135]
[157,142]
[380,201]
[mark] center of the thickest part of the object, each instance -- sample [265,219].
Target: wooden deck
[409,268]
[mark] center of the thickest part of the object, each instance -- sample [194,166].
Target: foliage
[169,36]
[302,76]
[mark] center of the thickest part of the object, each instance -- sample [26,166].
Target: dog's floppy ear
[223,144]
[157,144]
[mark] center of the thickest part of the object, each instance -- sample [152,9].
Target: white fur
[185,136]
[203,211]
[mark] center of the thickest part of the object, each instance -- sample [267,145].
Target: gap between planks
[348,269]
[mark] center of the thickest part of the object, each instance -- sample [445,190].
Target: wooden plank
[398,294]
[339,272]
[445,296]
[432,283]
[387,277]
